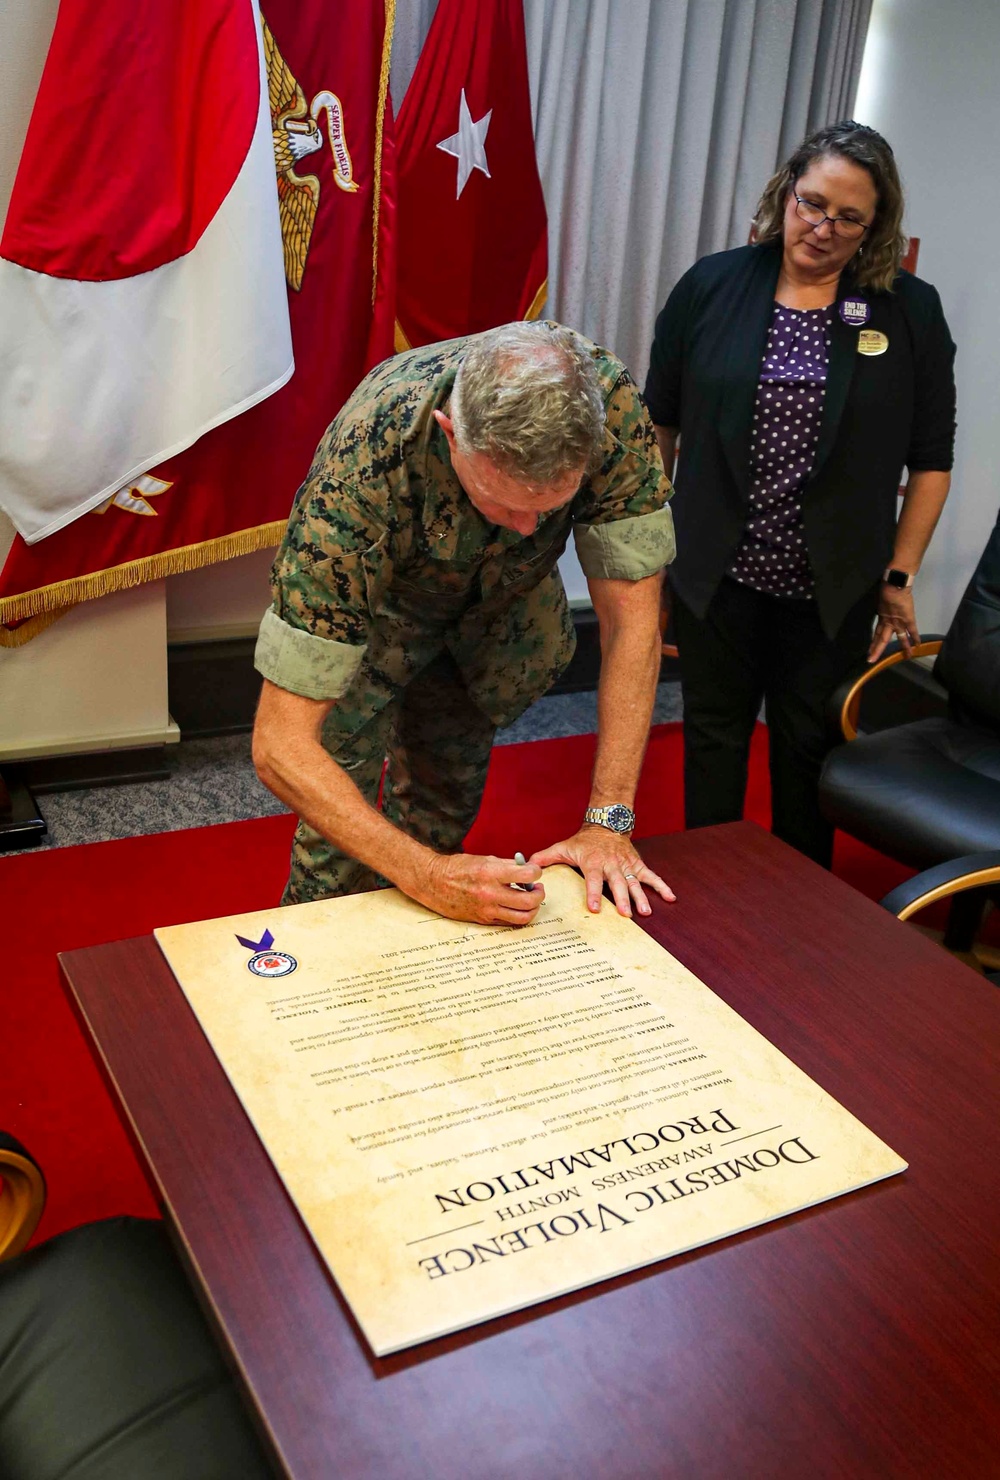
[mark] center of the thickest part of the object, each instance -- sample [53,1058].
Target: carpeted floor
[51,1094]
[213,780]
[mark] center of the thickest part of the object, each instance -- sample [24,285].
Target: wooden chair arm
[845,701]
[22,1196]
[971,871]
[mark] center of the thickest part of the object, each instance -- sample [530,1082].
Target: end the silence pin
[855,311]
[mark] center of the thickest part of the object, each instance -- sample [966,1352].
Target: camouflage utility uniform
[427,625]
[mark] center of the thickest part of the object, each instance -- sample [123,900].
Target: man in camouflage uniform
[417,606]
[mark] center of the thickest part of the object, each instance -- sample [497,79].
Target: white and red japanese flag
[210,273]
[142,287]
[471,224]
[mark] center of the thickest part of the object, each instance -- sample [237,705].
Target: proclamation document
[472,1118]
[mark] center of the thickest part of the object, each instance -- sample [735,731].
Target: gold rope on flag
[538,302]
[383,93]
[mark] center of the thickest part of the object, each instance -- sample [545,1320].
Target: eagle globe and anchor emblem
[266,961]
[297,135]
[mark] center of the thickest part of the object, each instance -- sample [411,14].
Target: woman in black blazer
[801,375]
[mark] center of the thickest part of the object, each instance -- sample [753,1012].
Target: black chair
[108,1370]
[928,793]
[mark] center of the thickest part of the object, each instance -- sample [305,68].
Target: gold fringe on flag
[15,637]
[47,599]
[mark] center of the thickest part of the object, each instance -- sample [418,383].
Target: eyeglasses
[809,211]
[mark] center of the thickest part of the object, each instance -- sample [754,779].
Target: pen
[519,858]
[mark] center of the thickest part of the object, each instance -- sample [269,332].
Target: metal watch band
[617,817]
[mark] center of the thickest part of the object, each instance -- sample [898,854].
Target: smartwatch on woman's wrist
[901,579]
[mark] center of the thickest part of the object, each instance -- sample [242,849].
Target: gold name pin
[872,342]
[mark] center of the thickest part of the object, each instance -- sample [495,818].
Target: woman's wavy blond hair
[882,247]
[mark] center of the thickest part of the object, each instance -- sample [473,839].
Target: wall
[929,83]
[224,600]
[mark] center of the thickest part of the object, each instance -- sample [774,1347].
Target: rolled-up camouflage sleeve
[326,579]
[623,527]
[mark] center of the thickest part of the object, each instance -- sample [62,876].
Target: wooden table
[860,1338]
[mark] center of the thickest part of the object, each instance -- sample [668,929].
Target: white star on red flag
[468,145]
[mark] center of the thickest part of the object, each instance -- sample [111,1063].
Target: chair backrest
[969,662]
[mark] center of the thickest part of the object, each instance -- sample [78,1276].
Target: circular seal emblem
[272,963]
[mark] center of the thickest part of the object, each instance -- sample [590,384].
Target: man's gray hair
[528,397]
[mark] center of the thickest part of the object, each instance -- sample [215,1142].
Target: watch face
[620,818]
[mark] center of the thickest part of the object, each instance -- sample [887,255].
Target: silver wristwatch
[618,817]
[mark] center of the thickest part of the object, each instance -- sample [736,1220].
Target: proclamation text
[471,1118]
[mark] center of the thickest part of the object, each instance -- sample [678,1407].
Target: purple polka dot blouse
[773,556]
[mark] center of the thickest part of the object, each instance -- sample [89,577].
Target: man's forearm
[628,613]
[309,781]
[291,761]
[630,666]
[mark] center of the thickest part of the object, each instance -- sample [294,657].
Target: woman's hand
[897,619]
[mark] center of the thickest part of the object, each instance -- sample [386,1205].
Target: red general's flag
[471,227]
[141,291]
[330,163]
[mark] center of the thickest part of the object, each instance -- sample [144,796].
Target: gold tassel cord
[133,572]
[538,302]
[383,93]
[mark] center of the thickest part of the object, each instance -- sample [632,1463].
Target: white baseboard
[168,734]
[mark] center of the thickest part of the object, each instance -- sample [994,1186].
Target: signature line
[750,1136]
[441,1231]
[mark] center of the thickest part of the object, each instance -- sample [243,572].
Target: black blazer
[880,413]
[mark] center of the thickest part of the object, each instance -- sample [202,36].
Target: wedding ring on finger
[629,876]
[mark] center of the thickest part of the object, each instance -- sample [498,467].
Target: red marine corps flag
[321,215]
[471,229]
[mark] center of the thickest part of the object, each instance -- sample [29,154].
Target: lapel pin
[871,342]
[854,311]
